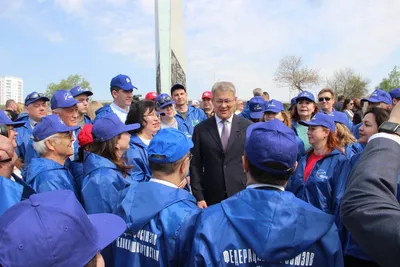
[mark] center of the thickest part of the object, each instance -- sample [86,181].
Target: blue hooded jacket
[356,130]
[10,193]
[47,175]
[193,117]
[103,111]
[137,156]
[353,149]
[160,221]
[24,137]
[102,184]
[323,187]
[258,227]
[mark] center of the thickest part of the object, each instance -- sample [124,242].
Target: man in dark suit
[216,168]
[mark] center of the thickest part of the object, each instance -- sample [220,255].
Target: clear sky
[241,41]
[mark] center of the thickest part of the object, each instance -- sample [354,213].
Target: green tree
[392,81]
[348,83]
[70,82]
[292,73]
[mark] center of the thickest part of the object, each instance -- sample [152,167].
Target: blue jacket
[86,119]
[160,221]
[323,187]
[10,193]
[356,130]
[47,175]
[353,149]
[137,156]
[102,184]
[23,137]
[194,116]
[103,111]
[258,227]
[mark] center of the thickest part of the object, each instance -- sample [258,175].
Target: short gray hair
[40,146]
[224,87]
[257,92]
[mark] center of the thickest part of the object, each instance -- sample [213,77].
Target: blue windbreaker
[103,111]
[137,156]
[323,186]
[102,184]
[194,116]
[351,247]
[23,137]
[160,221]
[47,175]
[353,149]
[356,130]
[258,227]
[10,193]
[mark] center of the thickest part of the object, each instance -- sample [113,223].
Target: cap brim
[272,110]
[30,101]
[128,88]
[109,227]
[16,124]
[131,127]
[167,104]
[304,97]
[256,115]
[309,123]
[88,93]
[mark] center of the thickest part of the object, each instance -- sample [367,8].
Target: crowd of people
[217,182]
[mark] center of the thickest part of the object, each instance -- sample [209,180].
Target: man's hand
[202,204]
[7,157]
[395,114]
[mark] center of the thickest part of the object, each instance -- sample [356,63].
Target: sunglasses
[34,96]
[321,99]
[163,101]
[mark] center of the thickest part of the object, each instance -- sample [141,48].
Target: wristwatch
[390,127]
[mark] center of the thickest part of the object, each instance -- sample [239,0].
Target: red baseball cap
[206,94]
[151,96]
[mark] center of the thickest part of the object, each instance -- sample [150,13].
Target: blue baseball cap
[168,145]
[321,119]
[379,96]
[109,126]
[271,141]
[62,99]
[292,102]
[256,107]
[163,100]
[51,229]
[395,93]
[305,95]
[77,90]
[340,117]
[274,106]
[35,96]
[4,119]
[122,81]
[50,125]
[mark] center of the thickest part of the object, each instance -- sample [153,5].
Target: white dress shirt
[155,180]
[121,113]
[221,125]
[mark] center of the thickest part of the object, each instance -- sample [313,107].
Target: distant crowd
[217,182]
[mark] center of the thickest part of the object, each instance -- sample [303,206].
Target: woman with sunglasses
[274,110]
[304,109]
[145,114]
[106,173]
[52,140]
[165,106]
[316,178]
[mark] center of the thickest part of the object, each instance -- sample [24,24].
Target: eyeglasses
[34,96]
[351,103]
[226,101]
[154,114]
[321,99]
[163,101]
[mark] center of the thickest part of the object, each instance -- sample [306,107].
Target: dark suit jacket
[214,173]
[369,207]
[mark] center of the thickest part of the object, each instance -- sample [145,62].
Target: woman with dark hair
[145,114]
[106,173]
[316,178]
[304,110]
[347,108]
[373,118]
[357,110]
